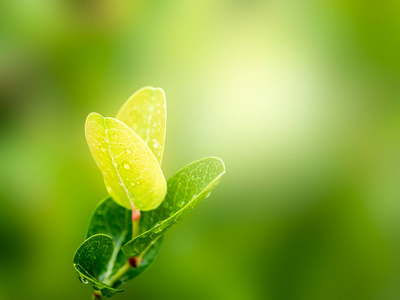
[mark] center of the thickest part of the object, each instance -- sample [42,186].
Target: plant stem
[135,228]
[121,272]
[126,267]
[135,220]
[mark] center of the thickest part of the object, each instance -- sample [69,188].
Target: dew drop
[181,203]
[129,151]
[104,149]
[155,143]
[137,160]
[208,195]
[83,280]
[116,136]
[158,111]
[138,182]
[127,165]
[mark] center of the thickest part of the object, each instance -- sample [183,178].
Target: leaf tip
[220,162]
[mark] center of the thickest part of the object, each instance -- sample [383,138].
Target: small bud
[97,295]
[133,262]
[135,215]
[135,212]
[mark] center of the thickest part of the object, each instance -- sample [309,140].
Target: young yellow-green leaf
[131,171]
[145,114]
[186,189]
[91,261]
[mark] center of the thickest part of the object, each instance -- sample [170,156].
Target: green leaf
[148,260]
[145,114]
[186,189]
[115,221]
[91,260]
[131,172]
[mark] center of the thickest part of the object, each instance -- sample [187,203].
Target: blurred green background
[301,99]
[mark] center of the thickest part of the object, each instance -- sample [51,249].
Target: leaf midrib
[117,248]
[113,161]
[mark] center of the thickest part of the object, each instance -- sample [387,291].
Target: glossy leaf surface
[145,114]
[187,188]
[115,221]
[130,169]
[91,260]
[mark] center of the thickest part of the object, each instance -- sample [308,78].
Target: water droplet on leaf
[83,280]
[127,165]
[155,143]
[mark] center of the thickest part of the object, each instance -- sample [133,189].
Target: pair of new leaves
[128,151]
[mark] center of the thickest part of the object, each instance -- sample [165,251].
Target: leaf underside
[130,169]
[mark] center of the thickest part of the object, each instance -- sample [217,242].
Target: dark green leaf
[115,221]
[187,188]
[148,259]
[91,260]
